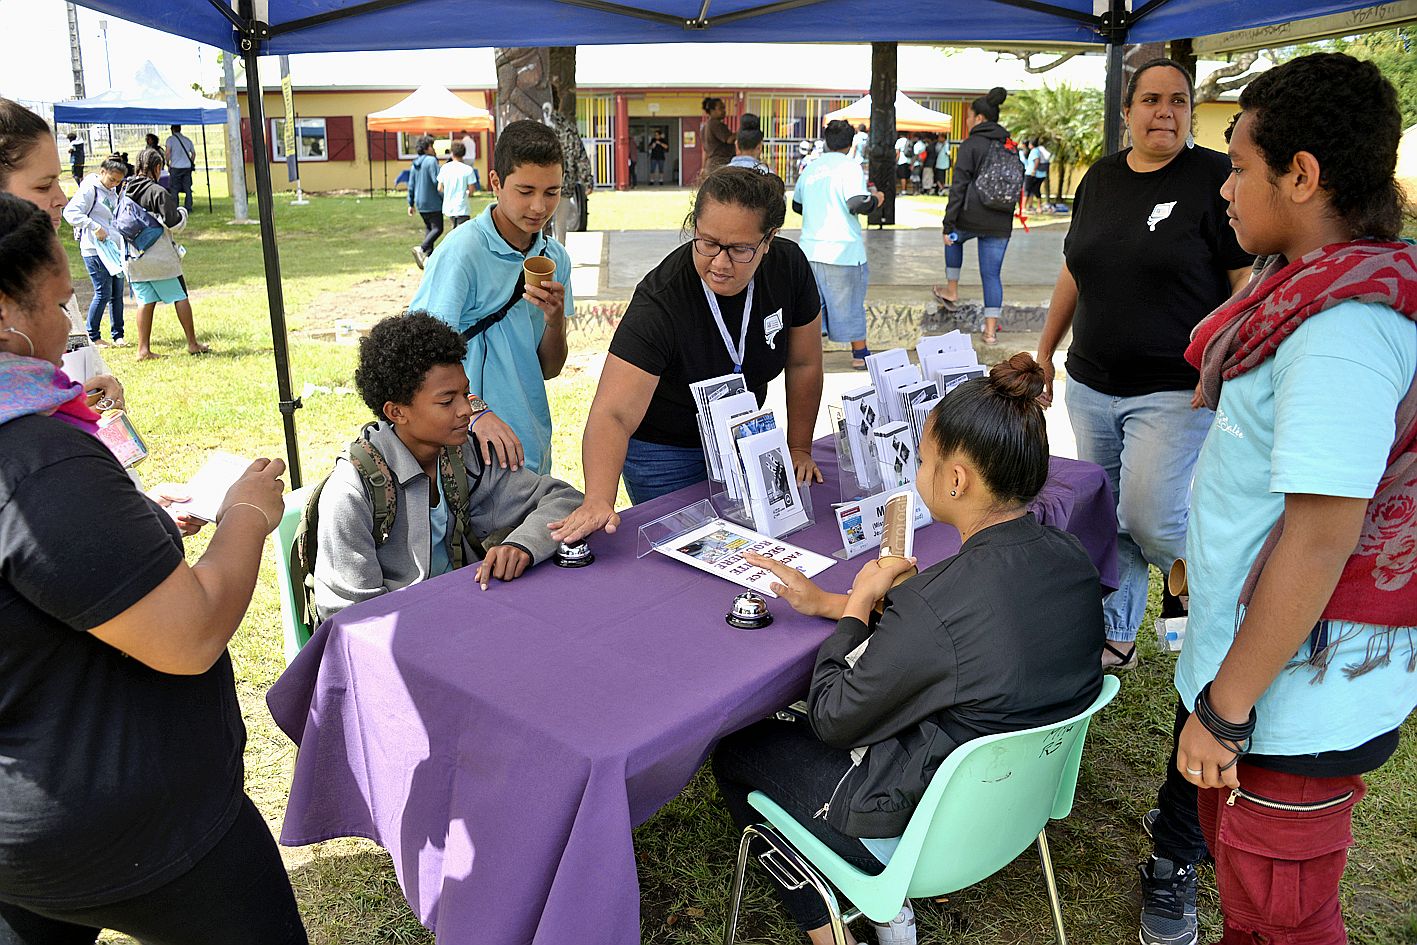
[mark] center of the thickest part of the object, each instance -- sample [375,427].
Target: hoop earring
[29,341]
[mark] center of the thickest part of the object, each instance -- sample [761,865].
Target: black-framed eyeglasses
[737,252]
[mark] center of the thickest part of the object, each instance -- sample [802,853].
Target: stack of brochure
[948,360]
[746,449]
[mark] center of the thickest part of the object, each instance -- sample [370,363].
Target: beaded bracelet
[1233,737]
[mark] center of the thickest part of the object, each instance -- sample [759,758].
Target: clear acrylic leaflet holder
[853,484]
[668,528]
[738,508]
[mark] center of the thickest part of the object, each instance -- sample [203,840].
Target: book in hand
[207,489]
[717,547]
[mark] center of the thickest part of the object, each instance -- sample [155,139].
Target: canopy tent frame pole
[1114,27]
[247,41]
[207,168]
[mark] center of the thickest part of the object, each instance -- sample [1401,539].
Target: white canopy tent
[910,115]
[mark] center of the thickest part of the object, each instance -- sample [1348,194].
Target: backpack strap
[472,332]
[379,480]
[458,492]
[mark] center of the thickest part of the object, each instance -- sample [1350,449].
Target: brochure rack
[733,503]
[853,483]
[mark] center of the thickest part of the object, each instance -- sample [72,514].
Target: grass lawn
[187,406]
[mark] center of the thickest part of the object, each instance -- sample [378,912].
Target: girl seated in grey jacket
[1000,637]
[410,374]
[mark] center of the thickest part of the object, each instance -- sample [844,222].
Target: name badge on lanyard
[736,354]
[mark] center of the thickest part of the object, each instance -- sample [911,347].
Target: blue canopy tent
[254,28]
[146,100]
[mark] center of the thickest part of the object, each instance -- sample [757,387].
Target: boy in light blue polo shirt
[472,277]
[829,195]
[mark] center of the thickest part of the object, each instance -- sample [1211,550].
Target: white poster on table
[771,484]
[717,547]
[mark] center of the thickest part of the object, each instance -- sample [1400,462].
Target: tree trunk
[1184,52]
[882,142]
[562,64]
[523,84]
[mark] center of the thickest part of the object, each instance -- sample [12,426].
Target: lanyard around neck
[735,354]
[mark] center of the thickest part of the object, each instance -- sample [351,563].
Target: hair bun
[997,95]
[1018,378]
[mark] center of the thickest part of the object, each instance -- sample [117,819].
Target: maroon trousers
[1280,845]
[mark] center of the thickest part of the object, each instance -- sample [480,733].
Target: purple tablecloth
[502,744]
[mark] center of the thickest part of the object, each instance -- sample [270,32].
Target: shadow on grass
[351,895]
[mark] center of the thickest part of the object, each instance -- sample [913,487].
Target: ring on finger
[1195,772]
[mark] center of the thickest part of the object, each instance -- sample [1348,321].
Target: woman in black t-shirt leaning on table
[687,322]
[122,803]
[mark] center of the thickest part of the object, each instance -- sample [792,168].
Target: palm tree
[1067,119]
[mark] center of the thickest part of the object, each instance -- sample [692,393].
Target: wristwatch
[476,403]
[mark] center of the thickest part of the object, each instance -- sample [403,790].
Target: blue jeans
[792,766]
[843,291]
[1148,446]
[107,293]
[654,469]
[991,264]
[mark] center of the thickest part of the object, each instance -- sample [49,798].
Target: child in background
[410,374]
[455,183]
[959,653]
[90,213]
[1298,663]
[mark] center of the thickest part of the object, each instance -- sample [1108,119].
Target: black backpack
[999,180]
[379,483]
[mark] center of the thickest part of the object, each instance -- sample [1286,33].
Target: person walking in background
[860,146]
[90,213]
[658,151]
[424,198]
[942,167]
[181,159]
[455,184]
[967,217]
[718,138]
[749,144]
[156,275]
[1042,165]
[830,194]
[1148,254]
[469,146]
[76,157]
[903,157]
[927,164]
[633,154]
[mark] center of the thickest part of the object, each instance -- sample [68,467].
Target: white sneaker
[119,343]
[900,930]
[419,256]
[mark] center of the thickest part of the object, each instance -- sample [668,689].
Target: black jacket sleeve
[966,164]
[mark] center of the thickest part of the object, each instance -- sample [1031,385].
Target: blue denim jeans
[654,469]
[792,766]
[843,291]
[107,293]
[1148,446]
[991,264]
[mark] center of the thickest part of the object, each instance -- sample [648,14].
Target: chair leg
[791,871]
[1051,882]
[735,902]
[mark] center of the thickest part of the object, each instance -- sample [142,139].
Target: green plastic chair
[987,803]
[297,634]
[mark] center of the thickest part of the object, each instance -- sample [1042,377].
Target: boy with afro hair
[410,374]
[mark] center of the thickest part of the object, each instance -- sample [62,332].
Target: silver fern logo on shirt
[1158,213]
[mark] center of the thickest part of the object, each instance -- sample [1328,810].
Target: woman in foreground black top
[1002,636]
[122,801]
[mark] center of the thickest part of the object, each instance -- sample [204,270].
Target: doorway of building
[641,136]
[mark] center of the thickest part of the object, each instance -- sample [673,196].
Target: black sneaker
[1168,903]
[1148,822]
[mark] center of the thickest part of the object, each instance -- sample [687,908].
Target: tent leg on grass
[207,169]
[266,208]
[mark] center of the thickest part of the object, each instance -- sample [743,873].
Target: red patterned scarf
[1379,582]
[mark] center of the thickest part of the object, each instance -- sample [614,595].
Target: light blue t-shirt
[439,562]
[1318,418]
[470,277]
[455,177]
[831,233]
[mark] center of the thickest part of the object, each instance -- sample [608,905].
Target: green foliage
[1393,51]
